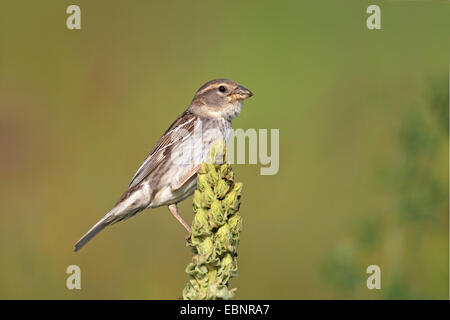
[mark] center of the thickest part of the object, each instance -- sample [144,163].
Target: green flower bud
[201,223]
[214,237]
[217,214]
[221,188]
[202,182]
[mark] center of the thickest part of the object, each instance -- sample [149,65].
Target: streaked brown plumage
[169,173]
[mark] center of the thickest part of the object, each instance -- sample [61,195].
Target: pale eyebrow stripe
[209,88]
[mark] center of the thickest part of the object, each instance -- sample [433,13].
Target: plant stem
[214,237]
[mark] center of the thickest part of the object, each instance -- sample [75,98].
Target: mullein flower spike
[214,236]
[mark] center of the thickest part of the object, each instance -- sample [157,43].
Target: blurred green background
[363,119]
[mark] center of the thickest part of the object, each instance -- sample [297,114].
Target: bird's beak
[241,93]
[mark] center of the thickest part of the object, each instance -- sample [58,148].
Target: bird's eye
[222,89]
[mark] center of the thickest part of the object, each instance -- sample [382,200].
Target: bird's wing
[179,131]
[194,170]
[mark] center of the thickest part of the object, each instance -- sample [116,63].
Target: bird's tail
[113,216]
[99,226]
[126,207]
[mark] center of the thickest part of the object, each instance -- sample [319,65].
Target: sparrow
[168,174]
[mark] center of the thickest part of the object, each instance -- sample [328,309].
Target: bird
[168,174]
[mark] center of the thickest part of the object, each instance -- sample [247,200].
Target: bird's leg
[174,210]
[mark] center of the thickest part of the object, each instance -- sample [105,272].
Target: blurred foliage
[420,207]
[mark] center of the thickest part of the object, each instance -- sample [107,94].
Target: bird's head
[219,98]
